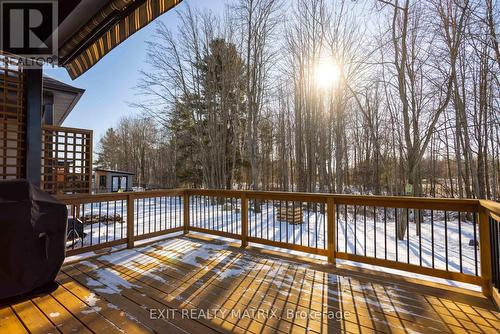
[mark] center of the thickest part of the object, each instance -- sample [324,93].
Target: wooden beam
[158,233]
[215,232]
[496,297]
[485,251]
[34,88]
[330,215]
[92,248]
[185,203]
[455,276]
[130,221]
[298,248]
[244,221]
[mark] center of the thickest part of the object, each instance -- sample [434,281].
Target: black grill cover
[32,237]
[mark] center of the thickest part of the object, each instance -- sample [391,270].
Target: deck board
[116,293]
[9,323]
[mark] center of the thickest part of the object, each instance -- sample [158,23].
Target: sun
[327,74]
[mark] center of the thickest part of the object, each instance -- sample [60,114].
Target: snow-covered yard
[437,245]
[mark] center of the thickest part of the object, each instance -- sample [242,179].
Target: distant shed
[107,180]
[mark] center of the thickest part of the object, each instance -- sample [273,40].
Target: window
[119,183]
[102,181]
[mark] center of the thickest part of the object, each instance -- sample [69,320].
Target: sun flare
[327,74]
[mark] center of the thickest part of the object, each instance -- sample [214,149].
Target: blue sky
[109,84]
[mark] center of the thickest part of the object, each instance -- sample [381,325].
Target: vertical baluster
[446,238]
[316,232]
[345,231]
[365,244]
[432,239]
[306,217]
[337,227]
[114,223]
[396,231]
[219,218]
[460,241]
[294,238]
[231,214]
[281,222]
[185,212]
[474,224]
[495,249]
[177,213]
[408,234]
[154,219]
[91,225]
[374,231]
[385,233]
[106,221]
[227,214]
[274,221]
[163,212]
[326,226]
[136,207]
[300,224]
[123,220]
[419,226]
[356,230]
[267,219]
[212,213]
[99,224]
[73,213]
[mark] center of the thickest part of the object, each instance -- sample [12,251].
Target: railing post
[130,221]
[185,203]
[330,214]
[244,220]
[485,249]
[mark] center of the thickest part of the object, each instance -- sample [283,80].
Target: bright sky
[109,84]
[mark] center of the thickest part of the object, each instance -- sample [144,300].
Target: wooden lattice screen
[66,160]
[12,119]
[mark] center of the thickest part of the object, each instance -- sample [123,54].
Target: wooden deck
[191,285]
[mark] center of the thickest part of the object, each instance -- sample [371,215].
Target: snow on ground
[361,235]
[282,273]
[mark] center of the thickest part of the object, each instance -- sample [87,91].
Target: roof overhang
[95,27]
[87,30]
[64,98]
[104,170]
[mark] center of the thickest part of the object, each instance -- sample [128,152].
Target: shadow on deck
[192,285]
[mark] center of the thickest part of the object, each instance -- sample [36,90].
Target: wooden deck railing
[446,238]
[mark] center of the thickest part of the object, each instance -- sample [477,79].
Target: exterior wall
[98,187]
[108,185]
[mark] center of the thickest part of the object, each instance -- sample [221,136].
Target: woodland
[391,97]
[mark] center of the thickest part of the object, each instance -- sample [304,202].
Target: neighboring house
[106,180]
[59,99]
[66,152]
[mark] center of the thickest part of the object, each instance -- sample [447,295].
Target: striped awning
[113,24]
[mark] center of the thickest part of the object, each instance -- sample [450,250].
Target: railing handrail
[434,203]
[492,206]
[93,198]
